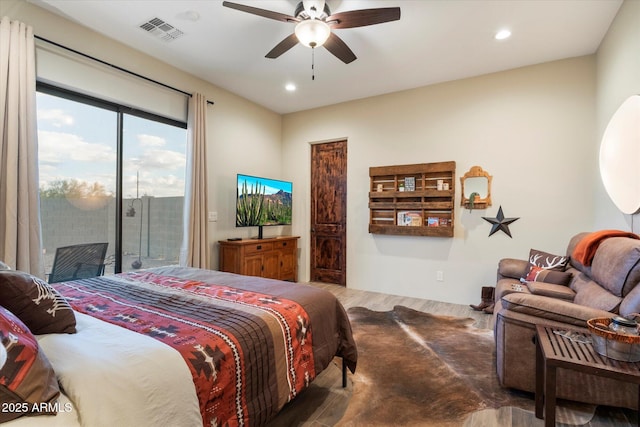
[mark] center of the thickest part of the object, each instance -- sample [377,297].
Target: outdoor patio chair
[78,262]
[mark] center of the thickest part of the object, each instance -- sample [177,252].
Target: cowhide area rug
[418,369]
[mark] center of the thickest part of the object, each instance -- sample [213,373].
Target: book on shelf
[409,218]
[433,221]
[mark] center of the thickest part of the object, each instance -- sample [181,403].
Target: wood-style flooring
[325,401]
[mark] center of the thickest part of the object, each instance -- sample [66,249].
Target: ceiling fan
[314,23]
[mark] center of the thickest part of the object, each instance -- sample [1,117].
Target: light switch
[213,216]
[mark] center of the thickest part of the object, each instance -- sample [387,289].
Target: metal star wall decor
[500,223]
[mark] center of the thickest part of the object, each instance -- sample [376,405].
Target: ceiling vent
[161,29]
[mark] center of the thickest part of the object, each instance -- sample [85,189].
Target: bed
[188,347]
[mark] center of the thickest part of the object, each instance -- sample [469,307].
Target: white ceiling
[434,41]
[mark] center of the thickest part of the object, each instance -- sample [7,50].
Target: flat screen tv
[262,201]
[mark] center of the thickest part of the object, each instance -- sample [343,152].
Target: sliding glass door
[153,174]
[110,174]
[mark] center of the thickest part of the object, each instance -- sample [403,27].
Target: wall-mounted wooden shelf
[427,206]
[476,205]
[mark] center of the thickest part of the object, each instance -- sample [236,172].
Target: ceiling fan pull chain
[313,63]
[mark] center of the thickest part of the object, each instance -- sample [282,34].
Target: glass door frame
[120,110]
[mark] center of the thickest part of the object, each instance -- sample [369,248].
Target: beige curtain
[195,246]
[20,235]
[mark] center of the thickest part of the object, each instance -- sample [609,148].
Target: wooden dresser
[274,258]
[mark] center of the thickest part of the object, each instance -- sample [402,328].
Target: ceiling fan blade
[363,17]
[283,46]
[339,49]
[261,12]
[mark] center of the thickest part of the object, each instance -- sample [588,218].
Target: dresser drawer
[255,248]
[284,244]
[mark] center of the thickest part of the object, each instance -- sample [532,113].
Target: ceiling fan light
[312,32]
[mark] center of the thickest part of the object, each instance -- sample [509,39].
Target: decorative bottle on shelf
[473,199]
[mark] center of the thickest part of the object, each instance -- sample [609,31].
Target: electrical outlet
[213,216]
[440,276]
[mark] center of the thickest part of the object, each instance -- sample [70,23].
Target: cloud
[67,156]
[58,147]
[151,140]
[160,159]
[153,185]
[56,117]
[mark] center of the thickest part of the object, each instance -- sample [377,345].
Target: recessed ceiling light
[290,87]
[503,34]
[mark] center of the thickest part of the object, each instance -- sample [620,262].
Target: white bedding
[115,377]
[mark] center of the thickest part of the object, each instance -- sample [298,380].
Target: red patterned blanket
[249,353]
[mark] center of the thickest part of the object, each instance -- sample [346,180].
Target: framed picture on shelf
[410,183]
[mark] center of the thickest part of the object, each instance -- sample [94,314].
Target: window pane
[78,171]
[154,162]
[77,155]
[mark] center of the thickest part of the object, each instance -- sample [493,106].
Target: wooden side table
[557,351]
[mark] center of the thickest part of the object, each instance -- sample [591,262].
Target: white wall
[532,128]
[618,77]
[536,129]
[242,136]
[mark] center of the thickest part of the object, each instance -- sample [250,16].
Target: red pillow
[539,274]
[27,379]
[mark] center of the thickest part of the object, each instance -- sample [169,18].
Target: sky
[78,141]
[272,186]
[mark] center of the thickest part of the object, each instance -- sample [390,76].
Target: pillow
[4,266]
[551,290]
[548,261]
[36,303]
[27,379]
[539,274]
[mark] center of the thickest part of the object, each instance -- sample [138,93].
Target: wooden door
[329,213]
